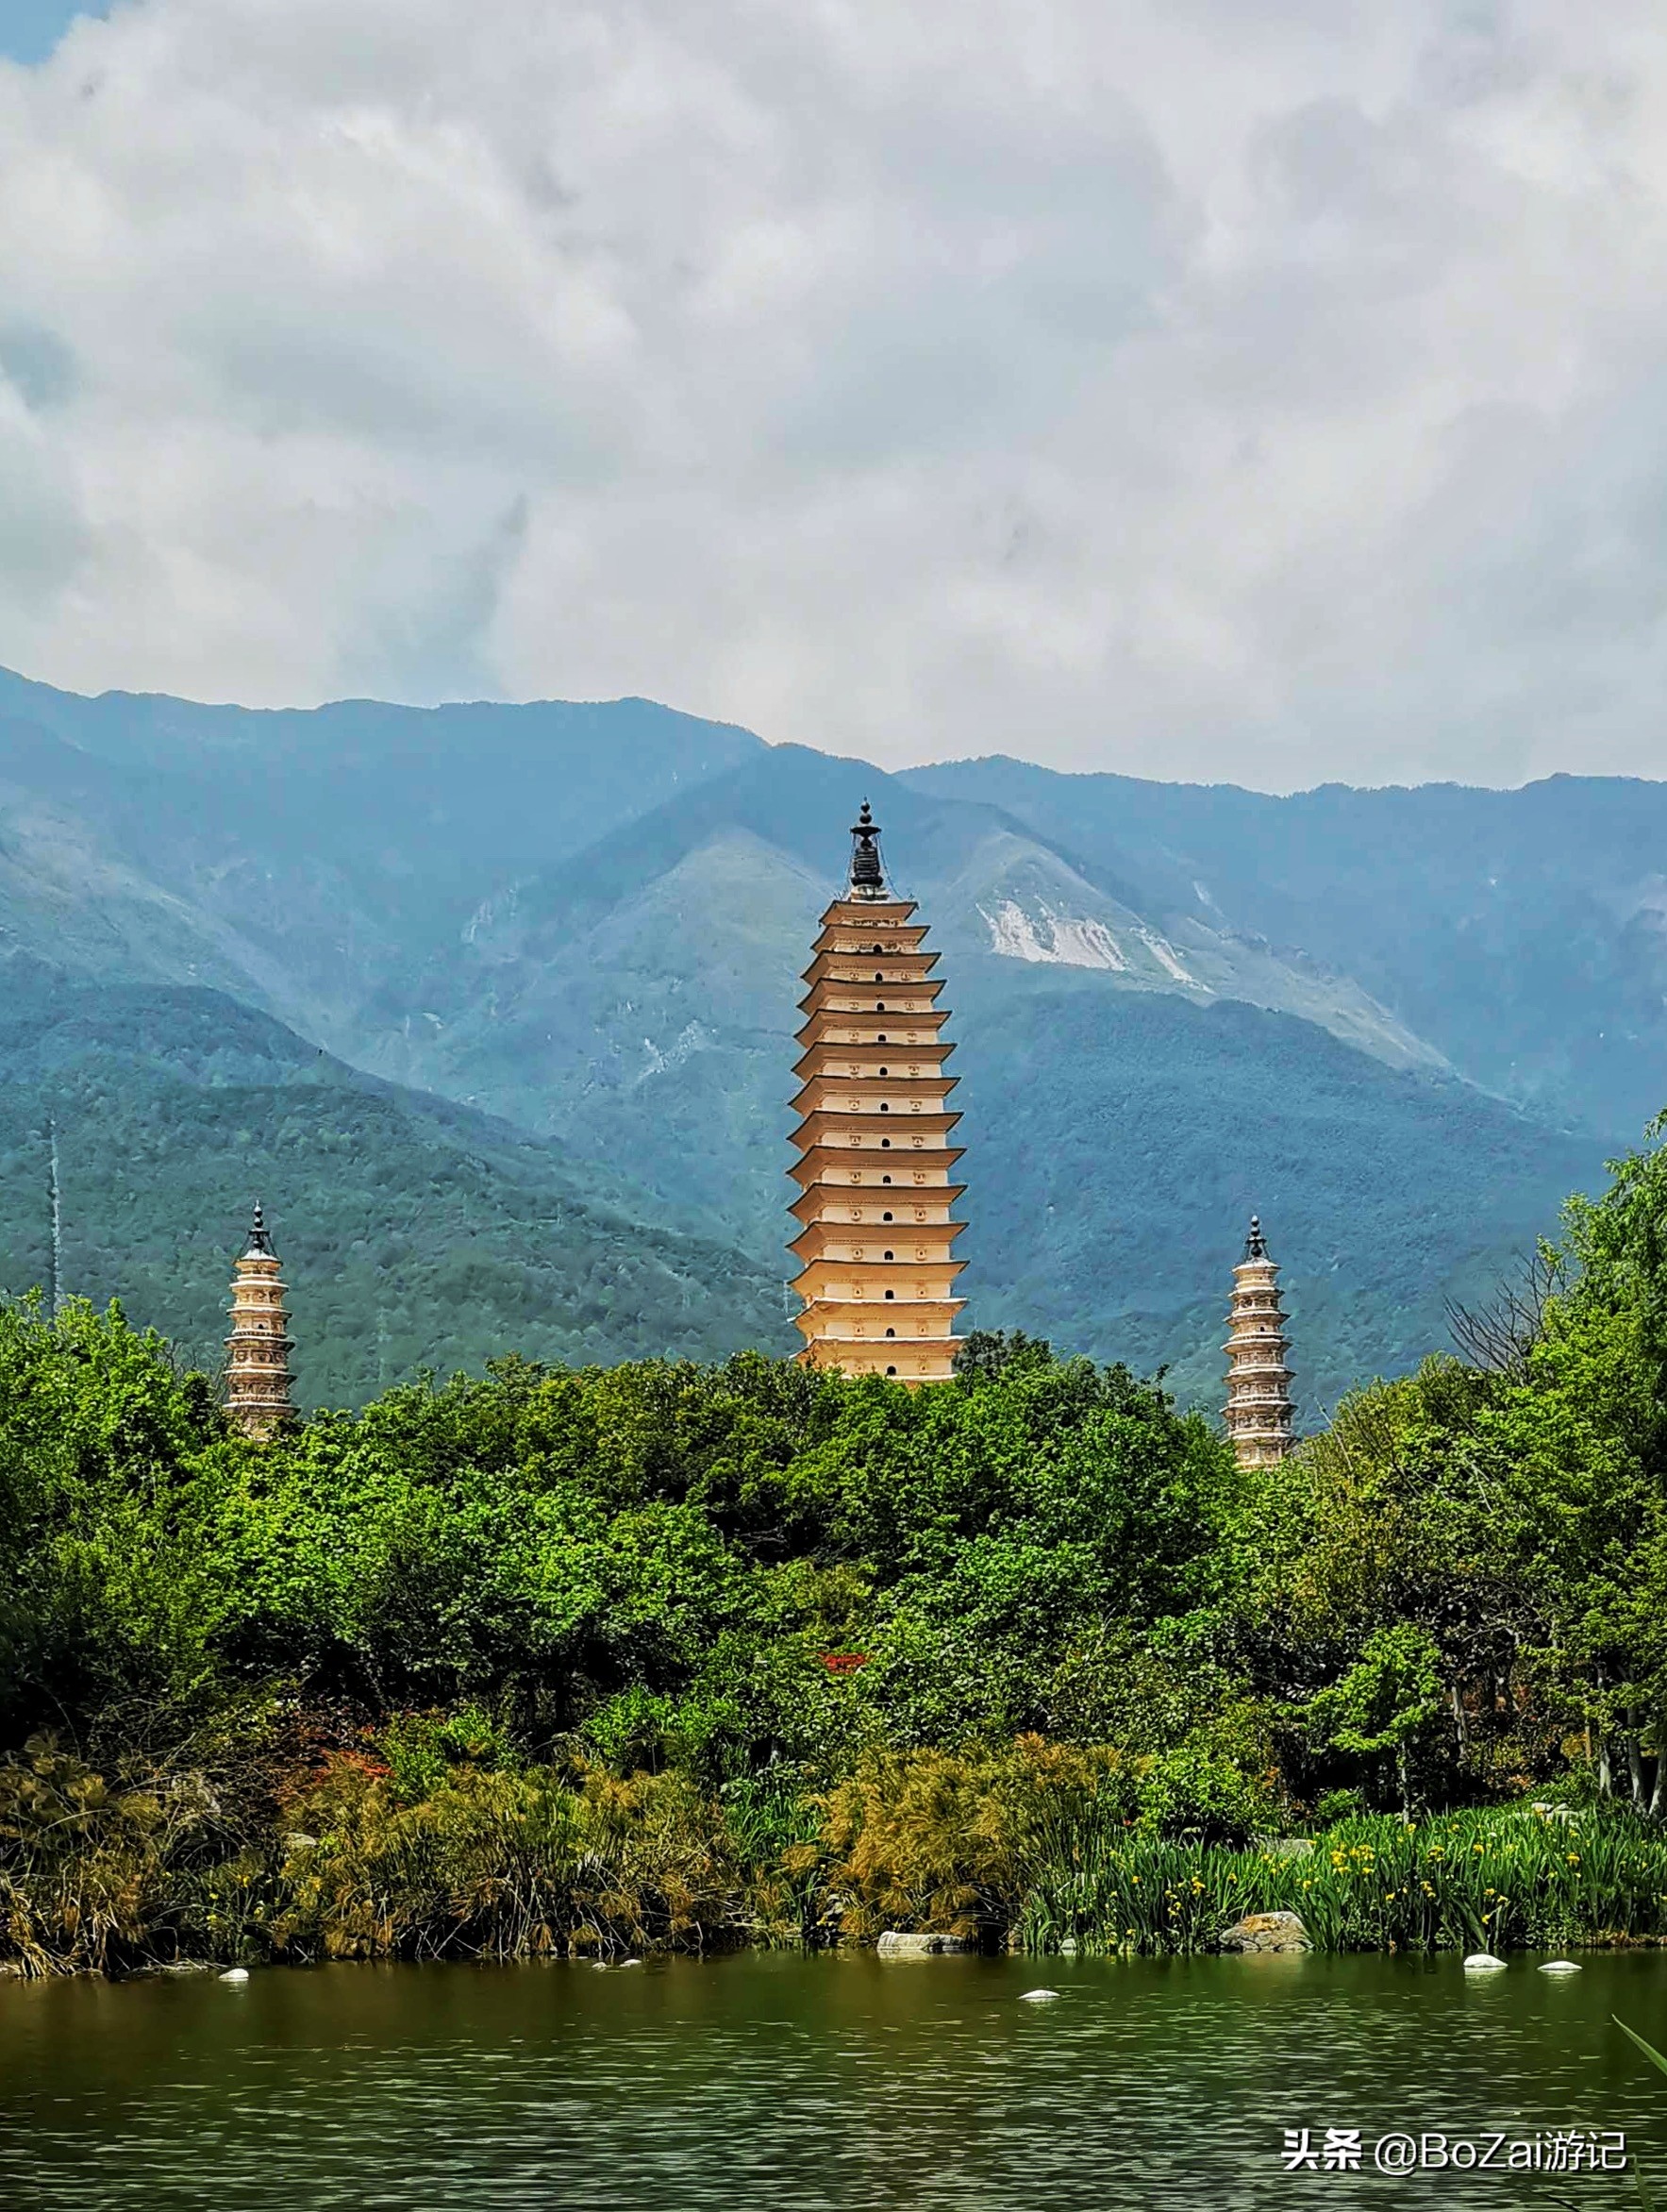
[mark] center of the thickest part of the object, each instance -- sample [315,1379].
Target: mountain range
[548,955]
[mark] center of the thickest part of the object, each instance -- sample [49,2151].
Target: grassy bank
[1474,1881]
[1023,1846]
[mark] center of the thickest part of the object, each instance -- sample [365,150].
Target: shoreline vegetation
[498,1866]
[591,1661]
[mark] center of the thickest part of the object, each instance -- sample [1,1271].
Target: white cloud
[1267,391]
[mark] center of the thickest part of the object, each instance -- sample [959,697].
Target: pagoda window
[885,1143]
[885,1217]
[890,1294]
[885,1107]
[883,1071]
[885,1179]
[889,1255]
[880,1005]
[891,1332]
[878,977]
[890,1370]
[881,1039]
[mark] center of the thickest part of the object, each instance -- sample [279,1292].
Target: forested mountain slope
[415,1232]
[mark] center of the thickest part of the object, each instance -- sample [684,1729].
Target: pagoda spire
[868,877]
[259,1348]
[1259,1413]
[875,1161]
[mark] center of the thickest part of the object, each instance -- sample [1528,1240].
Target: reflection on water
[818,2084]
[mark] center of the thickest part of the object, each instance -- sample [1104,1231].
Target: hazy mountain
[315,863]
[415,1232]
[1172,1004]
[1522,934]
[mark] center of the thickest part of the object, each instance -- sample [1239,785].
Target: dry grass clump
[496,1865]
[98,1872]
[951,1840]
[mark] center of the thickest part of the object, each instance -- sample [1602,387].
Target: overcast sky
[1207,388]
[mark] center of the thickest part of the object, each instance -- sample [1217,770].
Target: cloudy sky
[1274,390]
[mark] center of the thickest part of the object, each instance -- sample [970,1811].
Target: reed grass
[1493,1880]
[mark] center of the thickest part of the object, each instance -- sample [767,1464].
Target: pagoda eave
[822,1167]
[857,967]
[867,1058]
[815,1200]
[938,1235]
[901,1090]
[819,999]
[865,1132]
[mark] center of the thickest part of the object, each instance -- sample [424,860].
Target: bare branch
[1499,1336]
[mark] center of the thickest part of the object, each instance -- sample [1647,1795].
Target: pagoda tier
[259,1348]
[1259,1410]
[875,1166]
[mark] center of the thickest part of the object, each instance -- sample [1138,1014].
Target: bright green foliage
[768,1646]
[661,1551]
[1386,1698]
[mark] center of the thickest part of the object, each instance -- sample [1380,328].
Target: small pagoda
[259,1348]
[1258,1381]
[876,1166]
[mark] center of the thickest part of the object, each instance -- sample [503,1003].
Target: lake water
[821,2083]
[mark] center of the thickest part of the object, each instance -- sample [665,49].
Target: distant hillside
[591,922]
[1118,1142]
[1522,934]
[414,1232]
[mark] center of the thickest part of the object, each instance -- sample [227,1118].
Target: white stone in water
[630,1961]
[1483,1962]
[1560,1965]
[1039,1996]
[235,1975]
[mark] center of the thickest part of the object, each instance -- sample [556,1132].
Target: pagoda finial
[867,877]
[259,1240]
[1256,1244]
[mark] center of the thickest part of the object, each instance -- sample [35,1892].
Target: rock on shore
[1266,1932]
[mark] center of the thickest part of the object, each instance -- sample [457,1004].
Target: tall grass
[1464,1881]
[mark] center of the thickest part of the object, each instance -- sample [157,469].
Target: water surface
[778,2083]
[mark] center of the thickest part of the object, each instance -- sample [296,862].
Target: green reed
[1461,1880]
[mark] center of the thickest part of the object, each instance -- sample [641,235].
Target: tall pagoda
[875,1162]
[259,1348]
[1258,1381]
